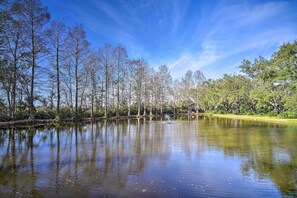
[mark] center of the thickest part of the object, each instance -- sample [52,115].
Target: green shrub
[81,114]
[99,113]
[66,113]
[44,114]
[288,114]
[124,112]
[111,112]
[21,115]
[4,118]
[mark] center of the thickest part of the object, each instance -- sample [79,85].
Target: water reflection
[204,157]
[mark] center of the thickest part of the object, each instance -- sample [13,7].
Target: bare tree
[92,68]
[164,86]
[120,58]
[199,79]
[150,85]
[13,48]
[67,79]
[145,87]
[131,70]
[33,16]
[56,35]
[105,58]
[78,47]
[139,83]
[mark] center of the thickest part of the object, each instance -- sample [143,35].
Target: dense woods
[49,70]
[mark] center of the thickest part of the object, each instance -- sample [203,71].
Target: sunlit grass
[257,118]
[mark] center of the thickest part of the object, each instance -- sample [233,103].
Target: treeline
[267,87]
[49,70]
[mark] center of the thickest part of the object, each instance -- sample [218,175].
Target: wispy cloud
[235,32]
[213,36]
[179,10]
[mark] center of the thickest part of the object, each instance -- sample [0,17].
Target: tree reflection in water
[109,157]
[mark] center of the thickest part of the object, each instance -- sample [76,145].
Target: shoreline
[258,118]
[45,122]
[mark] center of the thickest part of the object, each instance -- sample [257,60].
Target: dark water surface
[205,157]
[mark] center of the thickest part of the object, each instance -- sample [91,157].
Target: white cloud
[235,31]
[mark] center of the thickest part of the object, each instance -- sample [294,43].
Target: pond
[205,157]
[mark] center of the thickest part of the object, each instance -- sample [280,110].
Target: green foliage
[44,114]
[134,109]
[99,113]
[111,113]
[81,114]
[21,115]
[4,118]
[268,87]
[288,114]
[168,110]
[66,113]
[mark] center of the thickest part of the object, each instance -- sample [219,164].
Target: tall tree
[199,79]
[120,58]
[130,78]
[13,40]
[139,83]
[67,79]
[105,58]
[34,16]
[164,84]
[92,70]
[78,47]
[56,35]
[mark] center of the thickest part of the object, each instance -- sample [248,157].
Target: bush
[81,114]
[44,114]
[288,114]
[4,118]
[66,113]
[124,112]
[111,112]
[134,109]
[99,113]
[21,115]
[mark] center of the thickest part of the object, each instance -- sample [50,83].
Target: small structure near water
[168,118]
[193,110]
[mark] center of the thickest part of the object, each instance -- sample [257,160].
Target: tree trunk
[92,105]
[76,87]
[129,110]
[58,85]
[106,79]
[129,100]
[138,110]
[31,115]
[13,94]
[118,94]
[144,111]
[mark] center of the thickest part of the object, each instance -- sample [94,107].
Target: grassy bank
[257,118]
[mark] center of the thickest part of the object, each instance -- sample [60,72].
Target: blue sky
[213,36]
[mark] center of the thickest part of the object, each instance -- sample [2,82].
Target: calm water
[197,158]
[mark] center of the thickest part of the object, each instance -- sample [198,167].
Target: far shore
[44,122]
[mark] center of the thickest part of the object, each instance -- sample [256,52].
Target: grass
[257,118]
